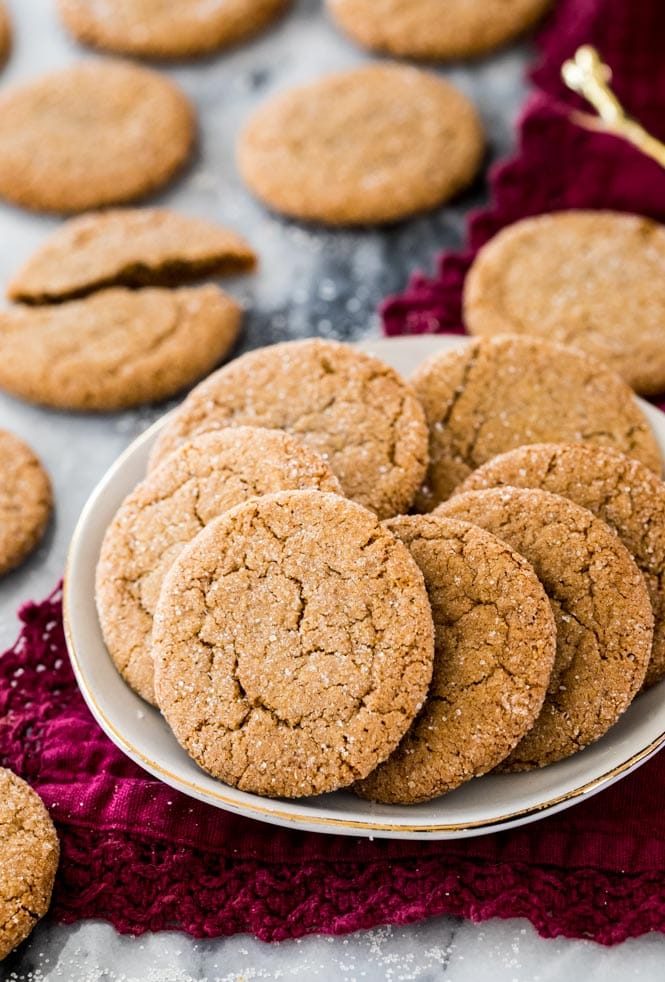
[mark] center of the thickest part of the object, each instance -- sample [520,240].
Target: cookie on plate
[293,644]
[601,607]
[590,279]
[436,31]
[198,482]
[117,348]
[495,642]
[618,489]
[495,394]
[29,853]
[26,501]
[164,29]
[348,406]
[366,146]
[92,134]
[130,247]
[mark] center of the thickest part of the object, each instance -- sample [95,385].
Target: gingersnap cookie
[130,247]
[29,853]
[26,501]
[117,348]
[293,644]
[620,490]
[93,134]
[432,31]
[601,607]
[198,482]
[366,146]
[495,394]
[163,29]
[348,406]
[590,279]
[5,33]
[494,640]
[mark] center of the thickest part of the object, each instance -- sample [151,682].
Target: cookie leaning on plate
[26,501]
[495,642]
[293,644]
[198,482]
[495,394]
[601,608]
[29,853]
[348,406]
[366,146]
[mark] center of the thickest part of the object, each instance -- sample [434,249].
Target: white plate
[485,804]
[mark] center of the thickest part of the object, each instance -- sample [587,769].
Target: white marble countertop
[310,282]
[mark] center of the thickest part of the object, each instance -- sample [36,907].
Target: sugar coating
[495,642]
[496,394]
[293,644]
[601,608]
[200,481]
[26,501]
[29,853]
[349,407]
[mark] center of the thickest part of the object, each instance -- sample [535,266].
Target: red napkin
[144,857]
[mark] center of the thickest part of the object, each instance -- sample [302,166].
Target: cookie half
[601,607]
[293,644]
[92,134]
[496,394]
[163,29]
[348,406]
[26,501]
[366,146]
[432,31]
[29,853]
[130,247]
[197,483]
[594,280]
[495,642]
[117,348]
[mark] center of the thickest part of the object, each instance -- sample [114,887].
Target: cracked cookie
[601,607]
[431,31]
[117,348]
[495,394]
[29,853]
[589,279]
[92,134]
[198,482]
[293,644]
[495,641]
[26,501]
[132,247]
[164,29]
[371,145]
[620,490]
[349,407]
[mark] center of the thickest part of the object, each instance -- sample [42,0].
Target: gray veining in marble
[310,282]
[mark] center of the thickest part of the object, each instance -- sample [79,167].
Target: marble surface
[310,282]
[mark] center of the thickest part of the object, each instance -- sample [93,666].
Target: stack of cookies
[332,578]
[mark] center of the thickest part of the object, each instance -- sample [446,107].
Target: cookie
[95,133]
[29,853]
[293,644]
[128,247]
[622,491]
[195,484]
[347,406]
[432,31]
[589,279]
[26,501]
[117,348]
[366,146]
[494,650]
[495,394]
[601,607]
[5,33]
[163,29]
